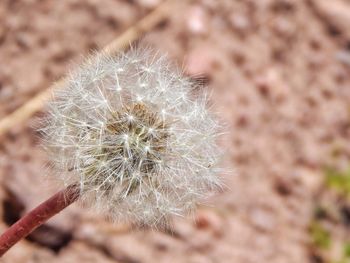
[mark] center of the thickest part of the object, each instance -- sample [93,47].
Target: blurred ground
[279,72]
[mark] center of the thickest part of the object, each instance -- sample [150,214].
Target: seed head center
[144,134]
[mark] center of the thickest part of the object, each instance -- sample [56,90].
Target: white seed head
[136,135]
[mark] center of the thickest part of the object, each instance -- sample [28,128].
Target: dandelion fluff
[136,135]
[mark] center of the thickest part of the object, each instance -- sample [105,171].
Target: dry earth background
[279,74]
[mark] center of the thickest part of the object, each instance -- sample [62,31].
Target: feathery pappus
[136,135]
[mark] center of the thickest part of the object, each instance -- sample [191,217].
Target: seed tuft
[136,134]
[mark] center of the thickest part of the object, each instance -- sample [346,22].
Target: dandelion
[135,136]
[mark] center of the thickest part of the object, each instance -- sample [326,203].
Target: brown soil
[279,74]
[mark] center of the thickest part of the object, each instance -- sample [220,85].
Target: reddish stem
[38,216]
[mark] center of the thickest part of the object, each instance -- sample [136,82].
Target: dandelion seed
[138,158]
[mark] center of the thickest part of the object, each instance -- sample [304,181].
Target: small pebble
[239,22]
[149,3]
[197,21]
[200,62]
[207,219]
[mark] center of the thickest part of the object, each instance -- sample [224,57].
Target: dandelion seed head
[136,135]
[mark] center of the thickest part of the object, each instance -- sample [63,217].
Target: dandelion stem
[38,216]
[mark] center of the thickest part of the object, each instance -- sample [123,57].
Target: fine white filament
[136,135]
